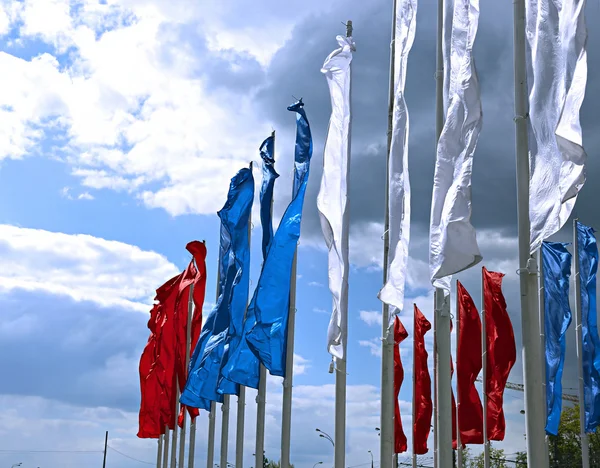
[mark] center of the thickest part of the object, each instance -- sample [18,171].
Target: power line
[51,451]
[127,456]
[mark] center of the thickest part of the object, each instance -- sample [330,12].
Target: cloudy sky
[121,123]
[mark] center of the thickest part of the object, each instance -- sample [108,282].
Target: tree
[497,459]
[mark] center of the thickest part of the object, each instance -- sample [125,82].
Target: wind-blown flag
[423,406]
[270,303]
[332,201]
[557,37]
[556,264]
[398,175]
[588,269]
[453,244]
[205,365]
[468,366]
[501,351]
[400,334]
[242,366]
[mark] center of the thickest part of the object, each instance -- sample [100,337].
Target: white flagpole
[188,343]
[224,431]
[387,349]
[458,442]
[166,448]
[286,413]
[585,449]
[261,397]
[175,428]
[159,451]
[192,449]
[210,456]
[532,360]
[486,442]
[443,421]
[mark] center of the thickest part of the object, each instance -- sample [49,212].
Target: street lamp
[318,463]
[371,457]
[325,436]
[378,431]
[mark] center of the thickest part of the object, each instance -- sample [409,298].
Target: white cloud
[316,284]
[374,346]
[371,317]
[80,266]
[85,196]
[318,310]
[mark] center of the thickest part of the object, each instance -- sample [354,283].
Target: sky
[121,124]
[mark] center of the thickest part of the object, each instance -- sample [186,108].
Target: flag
[501,351]
[332,201]
[270,304]
[556,264]
[242,366]
[400,334]
[453,244]
[392,292]
[423,406]
[468,366]
[557,37]
[588,268]
[205,365]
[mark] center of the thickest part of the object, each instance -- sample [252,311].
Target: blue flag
[242,365]
[557,271]
[270,303]
[205,364]
[588,267]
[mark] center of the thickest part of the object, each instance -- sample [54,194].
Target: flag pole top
[349,28]
[273,133]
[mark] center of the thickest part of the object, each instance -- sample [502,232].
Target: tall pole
[486,442]
[210,457]
[340,364]
[458,442]
[443,420]
[159,451]
[261,397]
[532,360]
[166,448]
[192,449]
[188,343]
[542,321]
[105,447]
[241,401]
[387,350]
[585,449]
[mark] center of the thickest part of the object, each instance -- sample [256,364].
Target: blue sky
[121,123]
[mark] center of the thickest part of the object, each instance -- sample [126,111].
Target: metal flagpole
[443,414]
[192,449]
[166,448]
[387,349]
[241,401]
[532,360]
[188,343]
[175,427]
[159,451]
[458,443]
[340,364]
[585,449]
[261,397]
[486,442]
[542,321]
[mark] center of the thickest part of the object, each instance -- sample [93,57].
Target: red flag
[400,334]
[468,366]
[501,351]
[423,405]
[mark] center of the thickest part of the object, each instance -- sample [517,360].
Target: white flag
[398,176]
[557,38]
[332,201]
[453,244]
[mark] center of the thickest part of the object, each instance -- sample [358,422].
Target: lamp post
[378,431]
[318,463]
[371,457]
[325,436]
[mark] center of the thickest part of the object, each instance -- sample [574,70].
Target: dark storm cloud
[295,70]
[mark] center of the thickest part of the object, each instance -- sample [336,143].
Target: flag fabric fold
[468,366]
[398,184]
[588,269]
[400,334]
[423,405]
[332,201]
[453,243]
[270,303]
[501,351]
[557,39]
[204,384]
[556,264]
[242,366]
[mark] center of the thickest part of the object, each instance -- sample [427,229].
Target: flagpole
[175,427]
[241,401]
[542,319]
[442,303]
[387,350]
[585,450]
[458,442]
[486,442]
[532,361]
[435,392]
[261,397]
[159,451]
[192,449]
[188,343]
[166,448]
